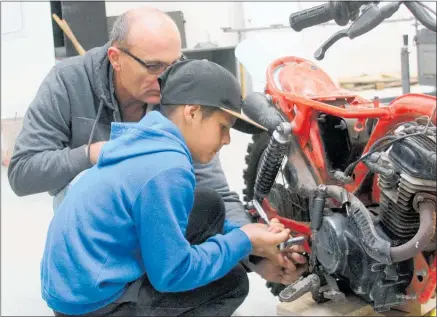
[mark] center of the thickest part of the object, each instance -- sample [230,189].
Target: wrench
[290,242]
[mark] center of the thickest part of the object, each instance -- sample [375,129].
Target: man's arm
[211,175]
[41,160]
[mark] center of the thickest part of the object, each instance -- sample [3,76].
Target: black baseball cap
[205,83]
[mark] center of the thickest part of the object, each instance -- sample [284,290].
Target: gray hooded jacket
[73,107]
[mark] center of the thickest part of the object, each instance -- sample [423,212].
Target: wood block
[380,86]
[306,306]
[415,309]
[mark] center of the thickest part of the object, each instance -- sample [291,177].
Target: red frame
[307,88]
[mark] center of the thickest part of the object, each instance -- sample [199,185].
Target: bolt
[384,160]
[322,118]
[342,126]
[422,273]
[322,188]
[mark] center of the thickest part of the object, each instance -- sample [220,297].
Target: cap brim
[244,124]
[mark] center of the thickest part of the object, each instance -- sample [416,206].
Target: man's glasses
[155,68]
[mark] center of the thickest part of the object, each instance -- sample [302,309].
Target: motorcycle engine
[351,246]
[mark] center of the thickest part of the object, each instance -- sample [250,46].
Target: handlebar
[339,11]
[344,11]
[421,14]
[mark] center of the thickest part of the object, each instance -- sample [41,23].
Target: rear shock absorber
[271,160]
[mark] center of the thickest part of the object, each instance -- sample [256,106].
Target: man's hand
[94,150]
[294,266]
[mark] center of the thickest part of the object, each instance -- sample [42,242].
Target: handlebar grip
[310,17]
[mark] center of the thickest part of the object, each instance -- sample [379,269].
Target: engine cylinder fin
[397,213]
[400,224]
[401,221]
[425,142]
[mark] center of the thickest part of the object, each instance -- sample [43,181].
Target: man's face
[206,136]
[141,68]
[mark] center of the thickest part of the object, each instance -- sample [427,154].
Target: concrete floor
[24,222]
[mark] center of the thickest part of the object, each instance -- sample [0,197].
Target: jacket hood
[154,133]
[97,66]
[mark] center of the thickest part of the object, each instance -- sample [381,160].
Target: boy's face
[206,136]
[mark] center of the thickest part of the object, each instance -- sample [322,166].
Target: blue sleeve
[229,226]
[160,213]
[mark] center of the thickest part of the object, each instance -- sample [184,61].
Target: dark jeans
[219,298]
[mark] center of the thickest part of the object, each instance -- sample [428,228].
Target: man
[119,243]
[69,120]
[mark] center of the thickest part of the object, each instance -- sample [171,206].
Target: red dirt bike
[359,177]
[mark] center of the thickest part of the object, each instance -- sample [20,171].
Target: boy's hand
[265,240]
[275,225]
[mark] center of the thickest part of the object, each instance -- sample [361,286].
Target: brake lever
[371,17]
[320,53]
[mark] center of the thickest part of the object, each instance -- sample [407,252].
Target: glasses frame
[160,66]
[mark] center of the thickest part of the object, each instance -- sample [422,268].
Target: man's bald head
[143,23]
[144,41]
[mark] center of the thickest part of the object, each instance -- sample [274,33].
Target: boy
[127,239]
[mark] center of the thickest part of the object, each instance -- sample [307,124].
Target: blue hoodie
[127,216]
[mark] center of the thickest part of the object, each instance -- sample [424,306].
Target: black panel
[224,56]
[87,20]
[58,34]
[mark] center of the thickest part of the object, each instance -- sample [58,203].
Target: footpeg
[303,285]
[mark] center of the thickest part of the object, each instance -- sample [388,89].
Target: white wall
[27,53]
[203,19]
[373,53]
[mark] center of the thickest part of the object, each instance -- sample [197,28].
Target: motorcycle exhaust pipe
[424,235]
[378,248]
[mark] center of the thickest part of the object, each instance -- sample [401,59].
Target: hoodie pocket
[81,131]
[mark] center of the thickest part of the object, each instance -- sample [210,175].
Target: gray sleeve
[212,175]
[41,160]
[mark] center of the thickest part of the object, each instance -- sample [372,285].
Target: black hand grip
[310,17]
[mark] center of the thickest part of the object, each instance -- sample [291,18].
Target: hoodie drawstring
[99,112]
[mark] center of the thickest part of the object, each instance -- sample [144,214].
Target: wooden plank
[416,309]
[306,306]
